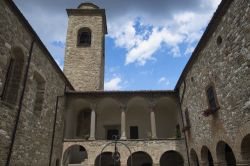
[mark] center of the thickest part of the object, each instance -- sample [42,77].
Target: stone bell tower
[84,55]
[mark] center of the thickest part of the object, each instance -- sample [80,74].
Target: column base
[123,138]
[91,138]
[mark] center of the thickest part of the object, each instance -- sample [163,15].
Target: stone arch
[138,118]
[108,118]
[171,158]
[14,76]
[245,148]
[140,158]
[206,156]
[77,111]
[75,154]
[106,159]
[166,114]
[194,158]
[225,154]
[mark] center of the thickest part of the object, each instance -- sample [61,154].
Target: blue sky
[148,42]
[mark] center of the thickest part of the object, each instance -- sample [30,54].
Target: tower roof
[87,5]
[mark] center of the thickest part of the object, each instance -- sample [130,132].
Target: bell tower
[84,54]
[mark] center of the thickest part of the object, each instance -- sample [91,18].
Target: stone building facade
[47,121]
[221,61]
[31,112]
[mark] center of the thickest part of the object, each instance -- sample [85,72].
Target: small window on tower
[84,37]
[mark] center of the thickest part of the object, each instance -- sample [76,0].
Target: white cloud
[113,84]
[164,81]
[182,29]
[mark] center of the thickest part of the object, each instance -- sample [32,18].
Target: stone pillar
[152,121]
[123,123]
[92,123]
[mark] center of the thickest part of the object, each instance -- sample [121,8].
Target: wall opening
[245,148]
[84,37]
[106,159]
[83,124]
[194,158]
[206,156]
[75,154]
[171,158]
[225,153]
[140,158]
[14,76]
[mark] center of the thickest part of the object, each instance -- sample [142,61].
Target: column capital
[123,107]
[93,106]
[152,104]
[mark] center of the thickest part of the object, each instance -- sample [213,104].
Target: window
[112,134]
[13,77]
[211,97]
[84,37]
[39,88]
[187,118]
[134,132]
[219,40]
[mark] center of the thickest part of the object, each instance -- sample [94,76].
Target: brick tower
[84,55]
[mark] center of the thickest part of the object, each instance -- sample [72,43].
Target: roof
[220,12]
[88,4]
[95,11]
[148,93]
[36,37]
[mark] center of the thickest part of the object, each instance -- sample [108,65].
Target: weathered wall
[155,149]
[227,66]
[34,133]
[84,66]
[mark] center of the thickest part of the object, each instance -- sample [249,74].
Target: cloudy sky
[148,42]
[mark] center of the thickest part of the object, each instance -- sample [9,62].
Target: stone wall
[227,66]
[84,66]
[34,132]
[155,149]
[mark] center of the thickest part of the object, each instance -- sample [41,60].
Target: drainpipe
[54,127]
[20,105]
[180,102]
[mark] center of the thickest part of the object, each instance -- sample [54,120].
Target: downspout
[181,101]
[54,127]
[20,105]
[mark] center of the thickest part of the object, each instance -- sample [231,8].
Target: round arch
[138,119]
[140,158]
[171,158]
[75,154]
[225,154]
[206,156]
[245,148]
[194,158]
[106,159]
[108,119]
[166,114]
[77,119]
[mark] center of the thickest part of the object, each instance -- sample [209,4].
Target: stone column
[152,120]
[92,123]
[123,123]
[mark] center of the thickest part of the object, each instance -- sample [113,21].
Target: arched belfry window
[84,37]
